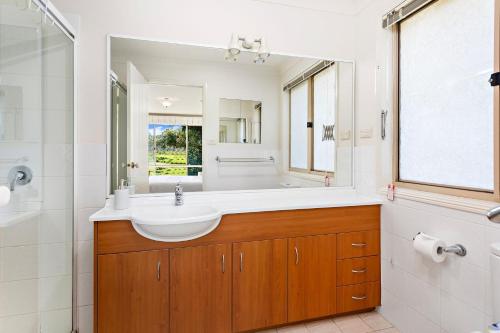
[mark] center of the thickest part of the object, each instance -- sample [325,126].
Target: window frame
[444,189]
[310,130]
[167,165]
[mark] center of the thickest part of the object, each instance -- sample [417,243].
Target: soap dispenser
[121,199]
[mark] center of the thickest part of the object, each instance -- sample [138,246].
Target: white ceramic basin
[175,223]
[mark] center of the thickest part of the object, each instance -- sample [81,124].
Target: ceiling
[185,100]
[345,7]
[124,47]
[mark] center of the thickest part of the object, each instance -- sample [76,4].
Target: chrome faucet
[179,195]
[19,175]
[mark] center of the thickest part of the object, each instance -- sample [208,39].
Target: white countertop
[234,202]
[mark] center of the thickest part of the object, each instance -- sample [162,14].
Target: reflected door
[138,103]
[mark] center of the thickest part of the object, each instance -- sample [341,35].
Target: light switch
[366,133]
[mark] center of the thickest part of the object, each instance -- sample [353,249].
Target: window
[446,124]
[174,150]
[313,112]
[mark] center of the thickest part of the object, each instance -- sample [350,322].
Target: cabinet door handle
[358,244]
[241,261]
[158,268]
[296,256]
[223,259]
[356,271]
[358,298]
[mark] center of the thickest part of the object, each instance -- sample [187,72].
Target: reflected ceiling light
[166,103]
[238,44]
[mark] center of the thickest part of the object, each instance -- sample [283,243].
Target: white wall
[320,34]
[417,296]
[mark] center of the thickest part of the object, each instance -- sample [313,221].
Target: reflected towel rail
[269,159]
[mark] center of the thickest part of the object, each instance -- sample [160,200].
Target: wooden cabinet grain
[256,270]
[259,284]
[311,277]
[133,292]
[200,289]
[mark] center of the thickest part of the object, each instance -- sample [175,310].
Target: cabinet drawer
[358,297]
[358,270]
[358,244]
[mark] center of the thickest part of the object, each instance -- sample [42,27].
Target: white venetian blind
[325,110]
[298,126]
[446,102]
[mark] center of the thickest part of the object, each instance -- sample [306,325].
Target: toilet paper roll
[430,247]
[4,195]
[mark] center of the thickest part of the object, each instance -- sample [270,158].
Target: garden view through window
[174,150]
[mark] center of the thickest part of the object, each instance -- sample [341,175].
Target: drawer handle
[241,261]
[358,271]
[296,256]
[223,259]
[358,298]
[158,270]
[358,244]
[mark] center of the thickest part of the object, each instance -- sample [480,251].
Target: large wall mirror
[186,114]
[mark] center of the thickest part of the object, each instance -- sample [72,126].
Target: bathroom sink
[175,223]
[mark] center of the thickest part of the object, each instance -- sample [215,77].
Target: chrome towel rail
[269,159]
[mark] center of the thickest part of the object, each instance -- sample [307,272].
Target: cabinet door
[311,277]
[132,294]
[200,289]
[259,284]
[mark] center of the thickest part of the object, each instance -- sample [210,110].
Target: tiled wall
[422,296]
[36,254]
[92,193]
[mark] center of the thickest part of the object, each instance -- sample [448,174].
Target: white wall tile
[91,191]
[55,259]
[28,323]
[85,227]
[85,256]
[458,317]
[18,297]
[453,296]
[19,263]
[25,233]
[56,226]
[85,291]
[55,292]
[56,321]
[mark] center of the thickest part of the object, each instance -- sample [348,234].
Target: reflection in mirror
[186,114]
[239,121]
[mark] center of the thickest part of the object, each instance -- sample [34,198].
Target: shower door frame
[50,12]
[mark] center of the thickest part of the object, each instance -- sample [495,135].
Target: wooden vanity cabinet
[254,271]
[311,277]
[200,289]
[133,292]
[259,284]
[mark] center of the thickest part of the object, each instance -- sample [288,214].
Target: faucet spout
[19,175]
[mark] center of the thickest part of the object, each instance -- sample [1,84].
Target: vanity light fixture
[257,46]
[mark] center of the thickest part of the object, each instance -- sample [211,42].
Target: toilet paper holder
[457,249]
